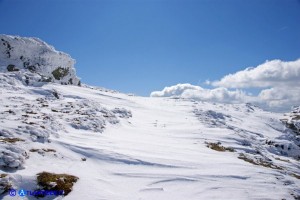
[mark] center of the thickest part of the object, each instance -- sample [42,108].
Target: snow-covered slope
[36,61]
[126,147]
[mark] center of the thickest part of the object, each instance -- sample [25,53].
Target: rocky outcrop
[36,61]
[292,120]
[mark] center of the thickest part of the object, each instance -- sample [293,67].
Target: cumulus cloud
[189,91]
[280,98]
[269,74]
[175,91]
[278,81]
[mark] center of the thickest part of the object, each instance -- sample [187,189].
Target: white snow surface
[143,148]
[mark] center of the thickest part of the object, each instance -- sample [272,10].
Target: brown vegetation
[57,182]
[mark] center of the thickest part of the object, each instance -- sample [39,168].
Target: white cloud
[189,91]
[280,98]
[207,82]
[176,90]
[269,74]
[279,82]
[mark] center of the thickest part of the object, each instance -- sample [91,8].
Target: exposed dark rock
[60,72]
[55,93]
[12,68]
[32,68]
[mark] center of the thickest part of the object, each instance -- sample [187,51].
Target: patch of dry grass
[45,150]
[31,112]
[5,184]
[284,160]
[218,147]
[11,140]
[3,175]
[296,117]
[295,175]
[258,162]
[49,150]
[57,182]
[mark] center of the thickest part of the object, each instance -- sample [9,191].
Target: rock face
[36,61]
[292,120]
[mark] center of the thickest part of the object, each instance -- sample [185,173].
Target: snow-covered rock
[12,156]
[292,120]
[34,61]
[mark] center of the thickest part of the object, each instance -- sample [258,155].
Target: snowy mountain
[101,144]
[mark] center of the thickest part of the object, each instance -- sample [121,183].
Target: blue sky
[143,45]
